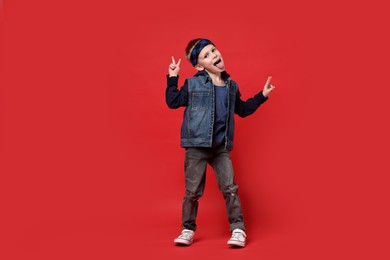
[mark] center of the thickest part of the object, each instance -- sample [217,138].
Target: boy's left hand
[268,87]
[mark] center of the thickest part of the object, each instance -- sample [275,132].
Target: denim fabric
[196,160]
[198,96]
[199,115]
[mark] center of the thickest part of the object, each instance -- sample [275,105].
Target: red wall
[90,160]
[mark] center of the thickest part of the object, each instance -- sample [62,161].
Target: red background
[90,161]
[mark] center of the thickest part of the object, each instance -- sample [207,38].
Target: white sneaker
[185,238]
[238,238]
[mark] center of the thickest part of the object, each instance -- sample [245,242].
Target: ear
[199,67]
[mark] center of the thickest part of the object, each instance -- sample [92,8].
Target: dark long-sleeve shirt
[176,98]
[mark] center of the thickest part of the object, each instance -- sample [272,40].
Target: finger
[268,80]
[173,60]
[178,63]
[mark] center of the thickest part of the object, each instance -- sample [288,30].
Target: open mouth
[218,61]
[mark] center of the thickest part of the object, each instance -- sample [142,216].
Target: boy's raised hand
[268,87]
[174,68]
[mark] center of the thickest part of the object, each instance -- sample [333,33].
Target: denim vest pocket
[200,100]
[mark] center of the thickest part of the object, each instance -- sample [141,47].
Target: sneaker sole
[182,242]
[236,244]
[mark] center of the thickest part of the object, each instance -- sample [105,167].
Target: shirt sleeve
[176,98]
[248,107]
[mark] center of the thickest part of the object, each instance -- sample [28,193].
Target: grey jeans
[195,163]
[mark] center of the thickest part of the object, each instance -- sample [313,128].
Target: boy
[211,99]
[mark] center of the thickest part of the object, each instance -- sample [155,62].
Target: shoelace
[238,235]
[186,235]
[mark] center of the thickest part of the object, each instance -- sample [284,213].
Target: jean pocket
[200,100]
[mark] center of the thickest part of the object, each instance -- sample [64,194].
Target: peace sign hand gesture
[174,68]
[268,87]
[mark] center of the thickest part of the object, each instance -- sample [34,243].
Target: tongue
[220,65]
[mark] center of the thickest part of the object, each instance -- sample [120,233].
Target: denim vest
[198,121]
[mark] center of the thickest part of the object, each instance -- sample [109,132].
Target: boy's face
[211,60]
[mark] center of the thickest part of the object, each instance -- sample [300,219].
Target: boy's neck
[217,78]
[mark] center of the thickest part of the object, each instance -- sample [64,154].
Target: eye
[206,56]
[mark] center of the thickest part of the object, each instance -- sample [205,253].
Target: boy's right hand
[174,68]
[268,87]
